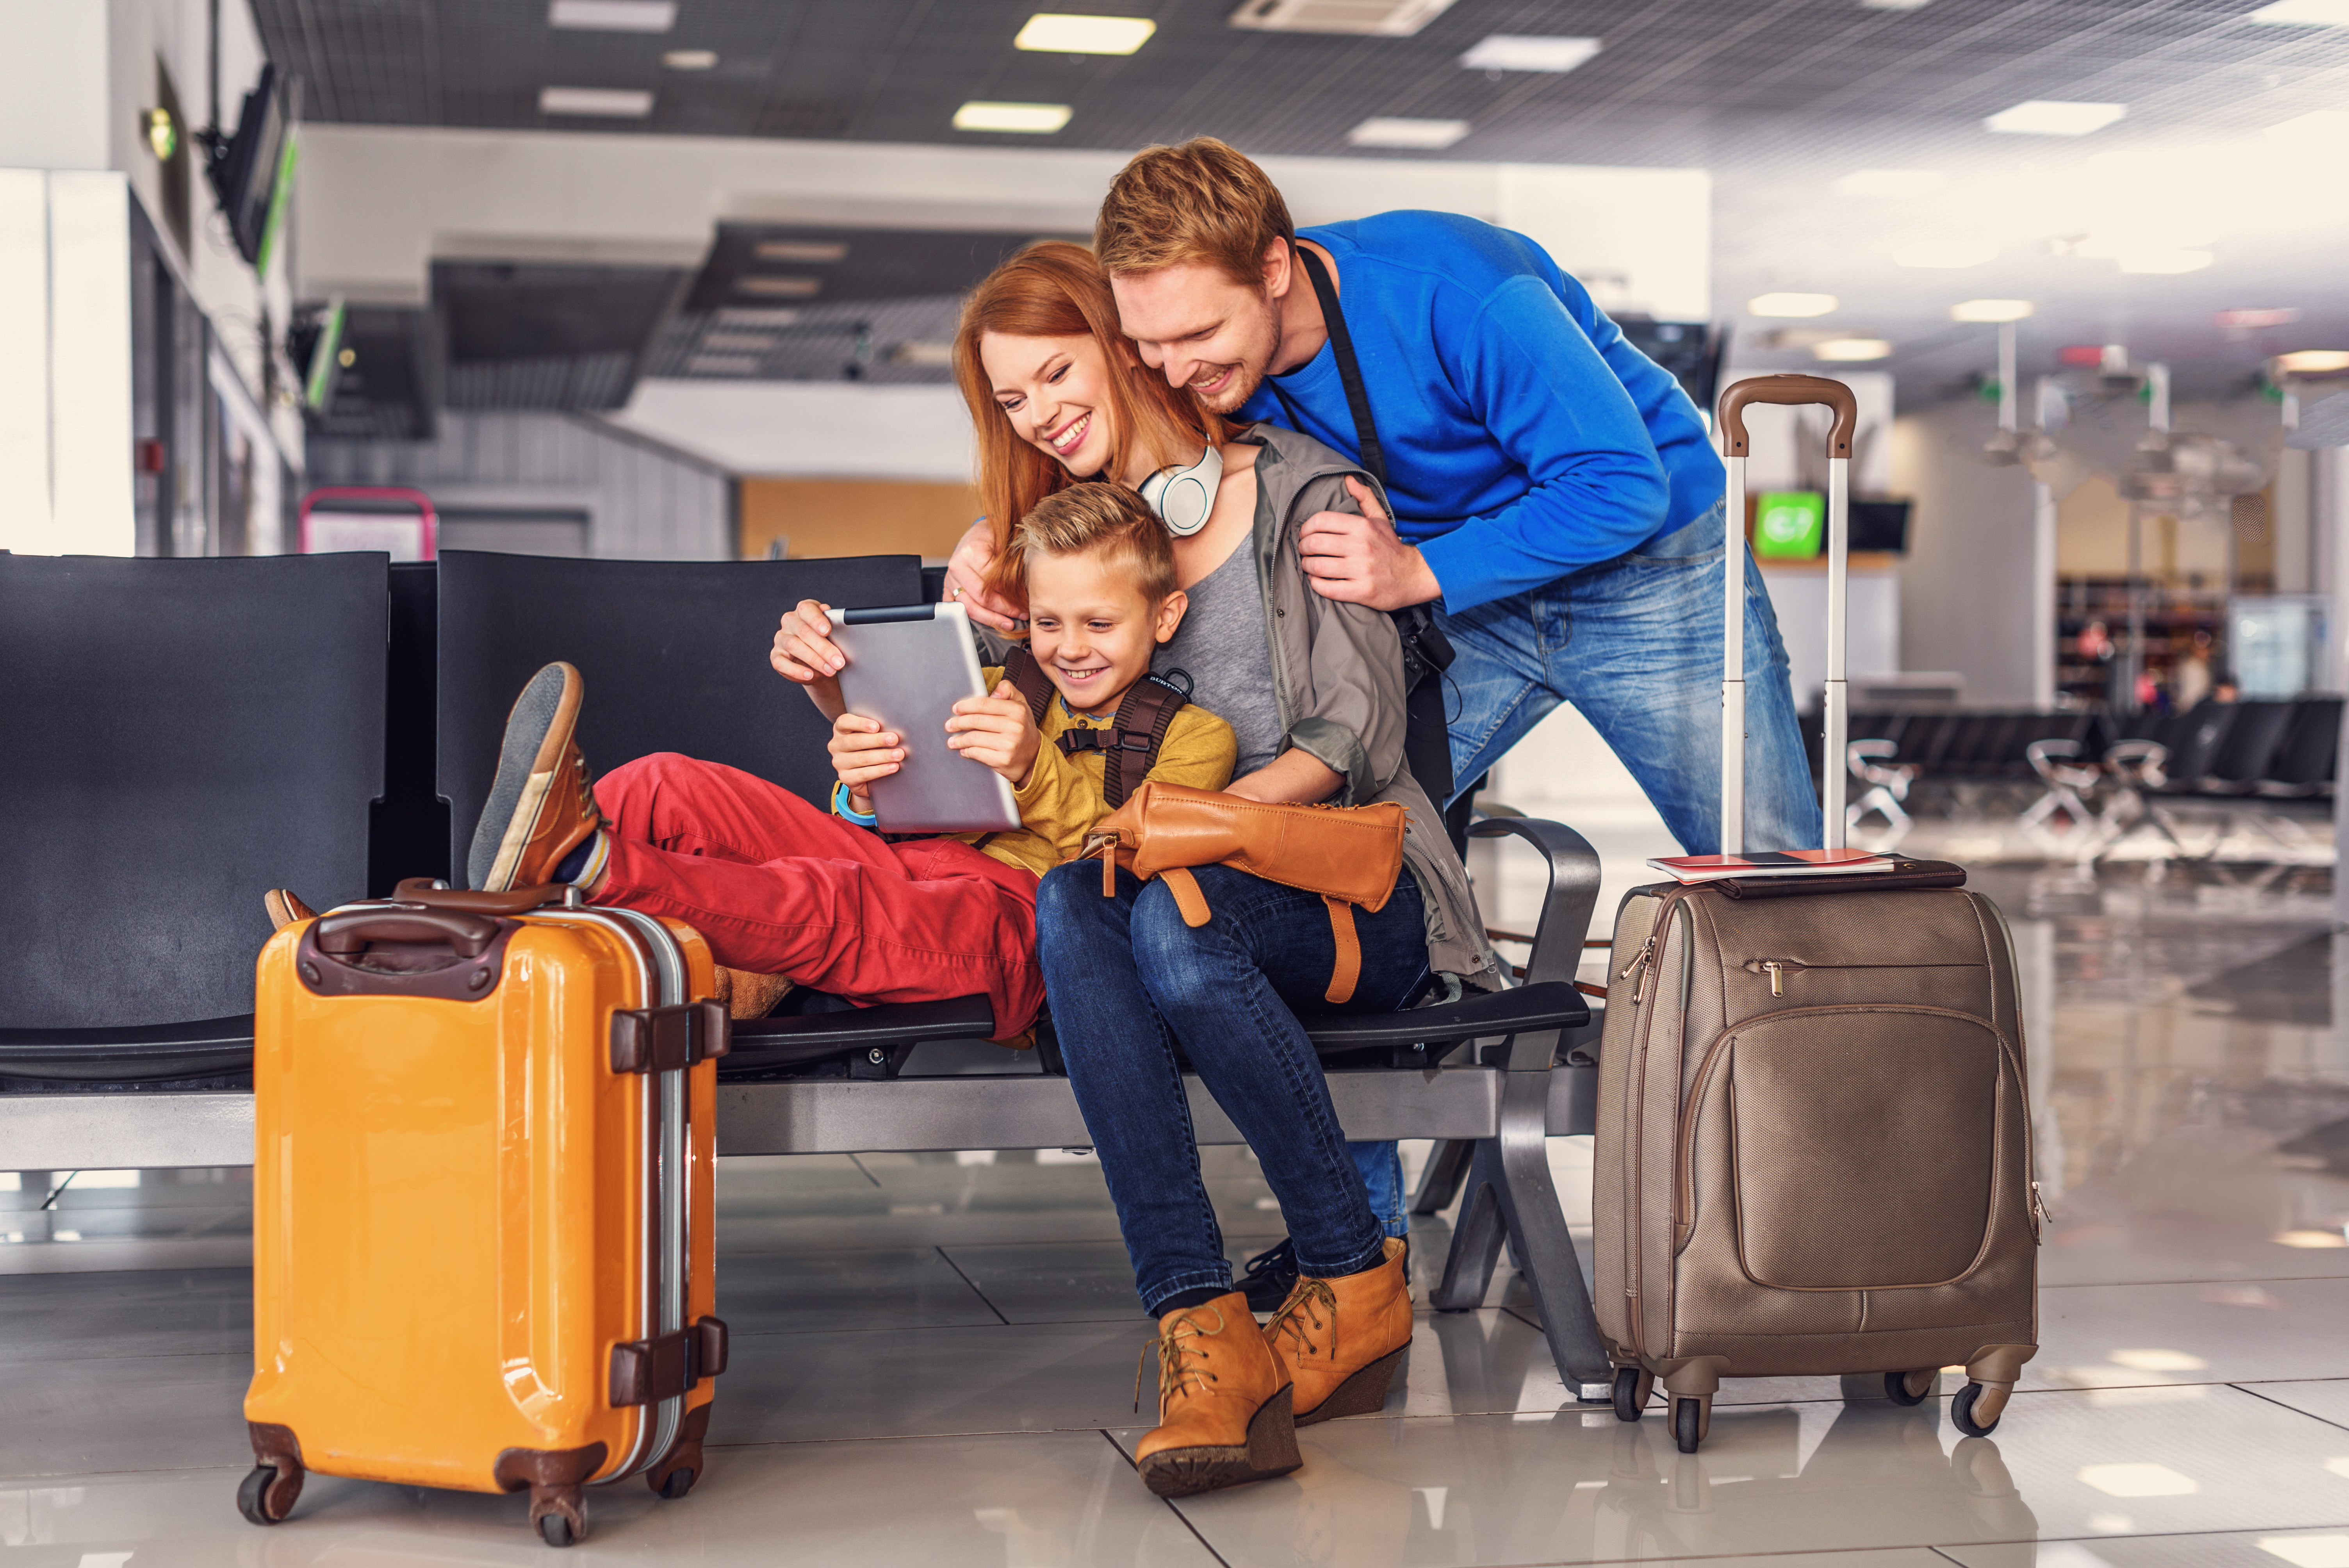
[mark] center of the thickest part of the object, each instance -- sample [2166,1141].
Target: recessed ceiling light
[1520,52]
[690,59]
[931,353]
[1851,350]
[2303,13]
[757,315]
[2322,124]
[1063,33]
[608,103]
[1990,310]
[1894,5]
[1425,135]
[737,342]
[1366,18]
[2053,117]
[772,286]
[2248,320]
[1031,118]
[1791,304]
[2312,362]
[1946,253]
[1891,182]
[723,364]
[613,15]
[2162,262]
[817,251]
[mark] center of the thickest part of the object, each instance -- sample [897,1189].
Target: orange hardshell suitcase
[482,1248]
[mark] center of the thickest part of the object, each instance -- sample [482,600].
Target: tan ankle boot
[1341,1339]
[1223,1404]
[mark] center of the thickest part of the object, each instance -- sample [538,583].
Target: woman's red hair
[1055,289]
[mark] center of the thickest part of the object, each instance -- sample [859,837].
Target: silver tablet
[908,666]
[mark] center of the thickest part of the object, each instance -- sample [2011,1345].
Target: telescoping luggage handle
[1797,390]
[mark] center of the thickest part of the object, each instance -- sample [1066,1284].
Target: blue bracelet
[840,804]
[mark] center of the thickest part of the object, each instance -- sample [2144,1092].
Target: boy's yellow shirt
[1062,797]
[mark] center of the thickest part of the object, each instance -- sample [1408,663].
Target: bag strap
[1028,677]
[1131,743]
[1349,967]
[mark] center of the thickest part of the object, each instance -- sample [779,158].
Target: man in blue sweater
[1557,498]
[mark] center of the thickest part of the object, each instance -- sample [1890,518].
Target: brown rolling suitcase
[1813,1146]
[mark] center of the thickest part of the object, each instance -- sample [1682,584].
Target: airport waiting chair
[2248,751]
[2305,762]
[1887,788]
[180,735]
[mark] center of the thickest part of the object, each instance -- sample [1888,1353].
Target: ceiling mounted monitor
[252,171]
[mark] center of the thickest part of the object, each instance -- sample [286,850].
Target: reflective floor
[934,1356]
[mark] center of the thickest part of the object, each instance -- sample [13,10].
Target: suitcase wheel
[1908,1387]
[1974,1403]
[677,1483]
[1632,1387]
[556,1530]
[254,1498]
[1688,1424]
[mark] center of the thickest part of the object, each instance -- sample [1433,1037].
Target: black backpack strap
[1028,677]
[1129,747]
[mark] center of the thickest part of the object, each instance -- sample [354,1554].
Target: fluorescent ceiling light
[2052,116]
[2303,13]
[737,342]
[722,364]
[1990,310]
[769,285]
[690,59]
[2253,319]
[757,315]
[1064,33]
[1423,135]
[817,251]
[1945,254]
[1791,304]
[2322,124]
[2313,362]
[1894,5]
[2161,263]
[608,103]
[1851,350]
[1031,119]
[1891,182]
[2139,1481]
[921,353]
[1519,52]
[613,15]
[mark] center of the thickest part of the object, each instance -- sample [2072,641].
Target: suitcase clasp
[663,1039]
[647,1371]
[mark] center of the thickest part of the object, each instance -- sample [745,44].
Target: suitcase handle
[1794,391]
[517,901]
[350,930]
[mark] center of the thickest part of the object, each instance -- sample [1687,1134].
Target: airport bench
[673,657]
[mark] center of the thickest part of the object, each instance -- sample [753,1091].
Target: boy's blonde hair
[1105,519]
[1205,200]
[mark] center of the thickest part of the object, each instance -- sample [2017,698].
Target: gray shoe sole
[536,731]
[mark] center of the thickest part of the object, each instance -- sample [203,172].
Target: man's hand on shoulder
[1360,560]
[998,730]
[967,570]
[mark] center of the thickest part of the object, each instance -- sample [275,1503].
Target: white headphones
[1182,496]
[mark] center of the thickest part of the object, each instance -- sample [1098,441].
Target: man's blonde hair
[1203,200]
[1105,519]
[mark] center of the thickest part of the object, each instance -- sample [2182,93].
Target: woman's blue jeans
[1131,986]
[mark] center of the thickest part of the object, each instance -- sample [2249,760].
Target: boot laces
[1175,1373]
[1306,1299]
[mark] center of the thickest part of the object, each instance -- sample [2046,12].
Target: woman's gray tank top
[1223,646]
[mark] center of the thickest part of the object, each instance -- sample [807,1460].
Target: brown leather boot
[1223,1404]
[541,805]
[284,909]
[1341,1339]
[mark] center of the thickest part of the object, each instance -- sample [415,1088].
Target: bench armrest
[1572,896]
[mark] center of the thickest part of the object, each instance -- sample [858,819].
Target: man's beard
[1242,386]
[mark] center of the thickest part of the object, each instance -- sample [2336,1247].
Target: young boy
[779,887]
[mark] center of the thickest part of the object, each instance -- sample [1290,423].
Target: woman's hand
[1362,559]
[967,570]
[998,730]
[862,751]
[805,654]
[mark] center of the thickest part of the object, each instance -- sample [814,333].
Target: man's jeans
[1635,644]
[1132,985]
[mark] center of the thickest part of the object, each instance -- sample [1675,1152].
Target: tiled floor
[934,1356]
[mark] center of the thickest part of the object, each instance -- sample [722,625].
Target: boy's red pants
[779,887]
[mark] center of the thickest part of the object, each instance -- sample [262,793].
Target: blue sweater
[1524,437]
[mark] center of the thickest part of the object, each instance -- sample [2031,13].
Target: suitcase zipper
[1645,964]
[1779,968]
[1641,961]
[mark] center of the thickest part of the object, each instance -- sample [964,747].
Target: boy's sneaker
[1271,1276]
[542,805]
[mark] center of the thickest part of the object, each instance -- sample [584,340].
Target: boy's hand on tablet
[805,652]
[998,730]
[862,751]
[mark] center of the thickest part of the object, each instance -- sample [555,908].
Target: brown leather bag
[1348,854]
